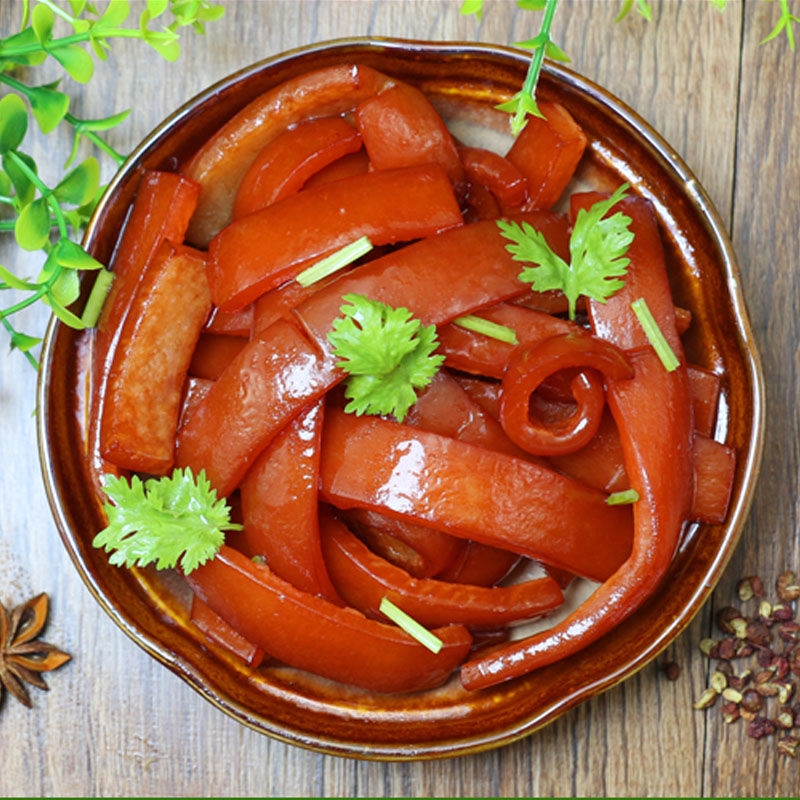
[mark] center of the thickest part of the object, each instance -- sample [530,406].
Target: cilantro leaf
[597,248]
[388,354]
[163,520]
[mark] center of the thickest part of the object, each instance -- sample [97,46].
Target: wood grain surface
[116,722]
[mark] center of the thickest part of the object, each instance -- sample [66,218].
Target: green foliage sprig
[48,218]
[541,45]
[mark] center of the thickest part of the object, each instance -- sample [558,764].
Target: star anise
[22,656]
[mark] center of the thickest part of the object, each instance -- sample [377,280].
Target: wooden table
[117,722]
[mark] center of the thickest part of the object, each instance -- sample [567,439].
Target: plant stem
[787,14]
[96,140]
[45,192]
[29,300]
[535,67]
[57,10]
[64,41]
[10,224]
[74,121]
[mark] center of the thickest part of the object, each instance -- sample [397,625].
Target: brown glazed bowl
[466,81]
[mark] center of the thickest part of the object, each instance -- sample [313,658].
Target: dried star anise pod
[22,656]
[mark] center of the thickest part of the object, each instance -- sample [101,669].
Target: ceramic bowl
[465,81]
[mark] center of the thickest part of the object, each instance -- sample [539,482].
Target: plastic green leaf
[42,20]
[170,51]
[48,106]
[69,254]
[643,7]
[115,14]
[23,187]
[87,209]
[26,14]
[209,12]
[50,267]
[520,106]
[82,25]
[24,38]
[13,122]
[720,4]
[32,229]
[784,24]
[195,13]
[552,50]
[534,43]
[100,47]
[64,314]
[74,219]
[624,10]
[77,7]
[105,123]
[5,184]
[80,185]
[14,282]
[23,342]
[66,288]
[531,5]
[158,7]
[76,61]
[472,7]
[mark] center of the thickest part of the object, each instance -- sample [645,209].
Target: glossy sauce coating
[528,368]
[310,633]
[401,128]
[264,249]
[292,157]
[279,504]
[421,276]
[271,380]
[363,579]
[471,492]
[219,165]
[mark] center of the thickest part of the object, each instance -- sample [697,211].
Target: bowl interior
[465,82]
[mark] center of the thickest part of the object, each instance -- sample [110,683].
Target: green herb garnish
[47,217]
[410,626]
[335,261]
[597,247]
[488,328]
[388,354]
[524,102]
[623,498]
[654,335]
[164,520]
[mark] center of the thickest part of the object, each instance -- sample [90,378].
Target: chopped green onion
[335,261]
[492,329]
[410,626]
[623,498]
[94,305]
[259,560]
[654,334]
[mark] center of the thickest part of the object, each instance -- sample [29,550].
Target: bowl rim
[668,159]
